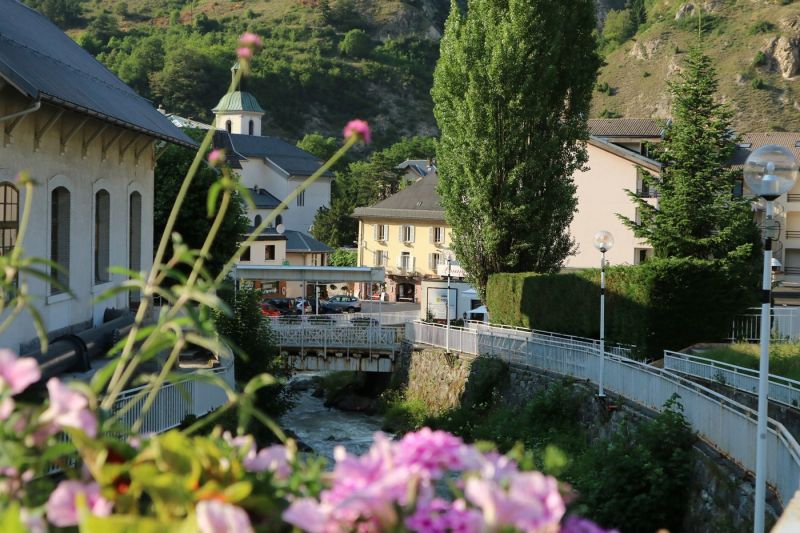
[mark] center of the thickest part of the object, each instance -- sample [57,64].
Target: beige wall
[118,170]
[420,249]
[601,194]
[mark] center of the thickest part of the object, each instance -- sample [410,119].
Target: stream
[323,428]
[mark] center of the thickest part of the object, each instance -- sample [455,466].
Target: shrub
[761,26]
[760,59]
[607,113]
[356,43]
[660,304]
[619,26]
[758,83]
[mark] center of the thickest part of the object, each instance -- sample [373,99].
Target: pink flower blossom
[532,502]
[309,515]
[360,129]
[433,452]
[215,157]
[62,509]
[7,405]
[575,524]
[34,523]
[219,517]
[441,516]
[275,459]
[250,40]
[16,373]
[68,408]
[244,52]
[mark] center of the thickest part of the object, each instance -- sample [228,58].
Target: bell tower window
[250,127]
[228,125]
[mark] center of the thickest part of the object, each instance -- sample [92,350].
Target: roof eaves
[407,214]
[626,154]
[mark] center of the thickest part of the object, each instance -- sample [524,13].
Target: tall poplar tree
[698,214]
[511,96]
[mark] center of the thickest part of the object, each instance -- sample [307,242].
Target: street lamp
[603,241]
[447,309]
[769,172]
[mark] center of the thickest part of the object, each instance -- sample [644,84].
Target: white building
[88,142]
[270,166]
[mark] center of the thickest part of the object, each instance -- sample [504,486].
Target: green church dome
[238,101]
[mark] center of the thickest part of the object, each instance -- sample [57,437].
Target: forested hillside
[324,61]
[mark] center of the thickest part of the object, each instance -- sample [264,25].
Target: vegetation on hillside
[323,62]
[737,35]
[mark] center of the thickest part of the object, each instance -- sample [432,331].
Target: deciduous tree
[511,95]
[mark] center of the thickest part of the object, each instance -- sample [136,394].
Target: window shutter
[400,261]
[431,235]
[402,228]
[412,234]
[385,232]
[374,232]
[413,262]
[385,261]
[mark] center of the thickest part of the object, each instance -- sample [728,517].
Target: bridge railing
[338,336]
[781,390]
[175,401]
[346,319]
[725,424]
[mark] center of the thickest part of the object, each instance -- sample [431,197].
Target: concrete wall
[116,171]
[601,195]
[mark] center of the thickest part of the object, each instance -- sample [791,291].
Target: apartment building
[408,236]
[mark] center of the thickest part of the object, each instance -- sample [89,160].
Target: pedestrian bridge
[339,342]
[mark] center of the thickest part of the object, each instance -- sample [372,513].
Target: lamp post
[769,172]
[447,309]
[603,241]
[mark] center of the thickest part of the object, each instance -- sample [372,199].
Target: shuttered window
[59,237]
[9,217]
[102,235]
[135,238]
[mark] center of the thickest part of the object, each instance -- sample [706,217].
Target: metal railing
[644,192]
[781,390]
[793,197]
[784,327]
[792,234]
[343,319]
[175,401]
[725,424]
[332,335]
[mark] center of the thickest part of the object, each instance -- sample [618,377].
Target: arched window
[250,127]
[278,220]
[135,238]
[9,217]
[256,220]
[59,237]
[102,235]
[228,125]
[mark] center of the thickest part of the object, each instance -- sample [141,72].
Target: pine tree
[697,214]
[511,95]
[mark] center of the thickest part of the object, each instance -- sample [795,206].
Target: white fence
[782,390]
[325,335]
[728,426]
[385,319]
[784,327]
[175,401]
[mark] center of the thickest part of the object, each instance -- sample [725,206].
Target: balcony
[791,234]
[644,192]
[793,197]
[791,271]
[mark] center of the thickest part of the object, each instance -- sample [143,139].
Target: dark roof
[752,141]
[40,61]
[419,201]
[263,199]
[288,158]
[630,155]
[296,241]
[633,128]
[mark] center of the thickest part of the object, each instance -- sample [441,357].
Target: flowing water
[323,428]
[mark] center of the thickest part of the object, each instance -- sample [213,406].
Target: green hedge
[661,304]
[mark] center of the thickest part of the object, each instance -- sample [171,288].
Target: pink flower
[34,523]
[433,452]
[244,52]
[275,459]
[575,524]
[16,373]
[532,502]
[215,157]
[68,408]
[309,515]
[6,408]
[219,517]
[250,40]
[62,509]
[360,129]
[441,516]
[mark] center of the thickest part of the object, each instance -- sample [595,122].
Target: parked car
[301,304]
[319,319]
[347,304]
[267,309]
[285,305]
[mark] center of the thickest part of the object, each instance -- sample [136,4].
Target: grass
[784,358]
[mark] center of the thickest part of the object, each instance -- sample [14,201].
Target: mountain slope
[755,45]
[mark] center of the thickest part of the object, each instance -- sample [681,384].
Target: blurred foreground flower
[68,409]
[359,129]
[62,506]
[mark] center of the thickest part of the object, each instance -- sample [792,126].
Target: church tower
[239,112]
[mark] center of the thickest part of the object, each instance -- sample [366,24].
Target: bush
[356,43]
[660,304]
[619,26]
[758,83]
[761,26]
